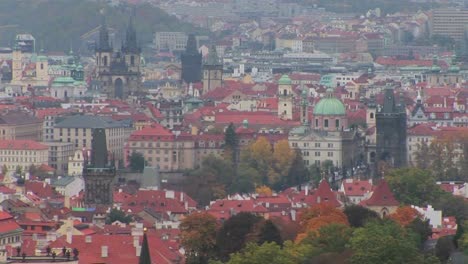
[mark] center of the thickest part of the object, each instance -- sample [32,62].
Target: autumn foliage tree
[312,219]
[264,191]
[198,236]
[404,215]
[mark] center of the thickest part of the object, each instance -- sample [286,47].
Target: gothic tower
[285,98]
[212,71]
[103,50]
[119,72]
[370,112]
[98,172]
[391,131]
[191,62]
[17,64]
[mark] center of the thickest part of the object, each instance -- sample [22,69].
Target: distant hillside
[362,6]
[56,24]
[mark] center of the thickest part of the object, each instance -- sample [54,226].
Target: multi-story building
[59,154]
[10,234]
[326,139]
[161,148]
[20,125]
[78,130]
[76,163]
[174,41]
[22,154]
[449,22]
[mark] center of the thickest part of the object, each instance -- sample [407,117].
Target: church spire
[191,47]
[145,257]
[103,44]
[130,44]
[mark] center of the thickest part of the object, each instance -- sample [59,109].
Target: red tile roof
[356,187]
[120,249]
[22,145]
[381,196]
[154,132]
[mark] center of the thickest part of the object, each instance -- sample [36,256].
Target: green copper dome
[284,80]
[329,106]
[41,58]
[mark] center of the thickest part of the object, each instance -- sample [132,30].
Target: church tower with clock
[212,71]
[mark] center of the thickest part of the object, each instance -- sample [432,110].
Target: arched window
[105,60]
[372,115]
[337,123]
[325,123]
[316,122]
[132,60]
[42,66]
[285,92]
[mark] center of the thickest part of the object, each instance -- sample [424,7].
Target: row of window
[306,144]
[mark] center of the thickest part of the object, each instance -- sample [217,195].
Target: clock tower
[212,71]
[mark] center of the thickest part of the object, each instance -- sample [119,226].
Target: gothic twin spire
[129,45]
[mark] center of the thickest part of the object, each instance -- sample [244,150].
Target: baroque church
[118,72]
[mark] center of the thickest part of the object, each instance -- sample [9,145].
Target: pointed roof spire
[103,44]
[130,44]
[145,257]
[213,59]
[191,47]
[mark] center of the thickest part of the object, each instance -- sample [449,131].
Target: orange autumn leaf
[404,215]
[317,216]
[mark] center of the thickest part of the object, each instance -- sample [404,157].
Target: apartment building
[23,154]
[78,129]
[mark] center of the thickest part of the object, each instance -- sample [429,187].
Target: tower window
[337,123]
[316,122]
[105,60]
[325,123]
[372,115]
[132,60]
[42,66]
[285,92]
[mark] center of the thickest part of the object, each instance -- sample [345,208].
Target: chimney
[186,205]
[104,252]
[293,215]
[69,235]
[307,190]
[138,250]
[181,196]
[136,241]
[88,239]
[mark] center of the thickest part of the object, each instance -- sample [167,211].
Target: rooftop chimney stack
[104,251]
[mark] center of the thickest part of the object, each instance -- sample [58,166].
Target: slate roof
[89,121]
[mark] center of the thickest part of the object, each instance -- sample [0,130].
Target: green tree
[413,186]
[444,248]
[267,253]
[19,170]
[422,229]
[198,237]
[210,181]
[298,173]
[231,143]
[330,238]
[269,233]
[383,242]
[422,156]
[118,215]
[235,234]
[137,162]
[358,215]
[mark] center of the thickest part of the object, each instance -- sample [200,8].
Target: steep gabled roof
[381,196]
